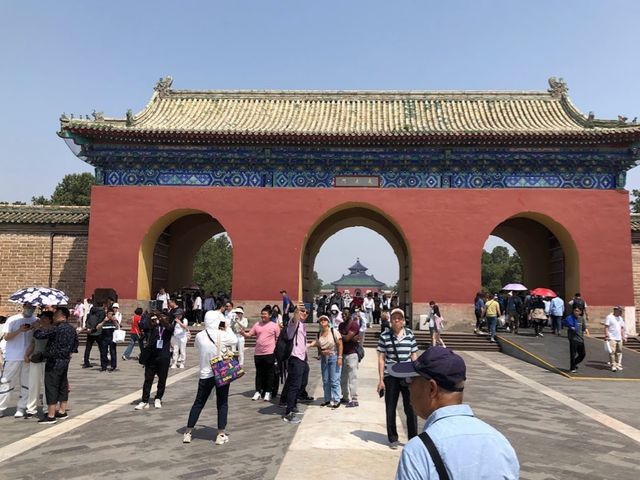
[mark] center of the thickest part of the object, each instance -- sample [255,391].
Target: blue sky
[77,56]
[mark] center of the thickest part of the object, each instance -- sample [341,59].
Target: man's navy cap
[441,364]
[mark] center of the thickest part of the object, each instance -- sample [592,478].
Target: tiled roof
[350,117]
[20,214]
[635,222]
[358,280]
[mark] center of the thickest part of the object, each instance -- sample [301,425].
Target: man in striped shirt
[396,345]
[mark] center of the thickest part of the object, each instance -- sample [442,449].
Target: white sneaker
[508,330]
[142,405]
[157,403]
[256,396]
[620,367]
[19,414]
[173,366]
[267,397]
[221,439]
[186,438]
[181,365]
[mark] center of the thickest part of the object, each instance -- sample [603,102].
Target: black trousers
[56,384]
[393,388]
[302,392]
[106,345]
[577,353]
[156,366]
[264,372]
[205,387]
[91,339]
[293,386]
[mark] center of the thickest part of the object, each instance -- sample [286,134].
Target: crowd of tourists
[38,350]
[514,311]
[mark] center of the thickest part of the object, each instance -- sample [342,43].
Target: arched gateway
[435,173]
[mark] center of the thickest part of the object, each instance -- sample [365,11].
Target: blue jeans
[492,322]
[132,341]
[331,377]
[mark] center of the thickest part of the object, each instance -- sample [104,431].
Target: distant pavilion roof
[354,118]
[40,214]
[358,278]
[635,222]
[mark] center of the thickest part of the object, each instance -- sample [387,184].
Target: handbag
[225,367]
[119,335]
[37,357]
[360,351]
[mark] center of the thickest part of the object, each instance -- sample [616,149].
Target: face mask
[28,311]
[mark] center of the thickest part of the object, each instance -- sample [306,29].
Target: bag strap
[435,456]
[393,343]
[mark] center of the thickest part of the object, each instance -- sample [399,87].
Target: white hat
[115,305]
[334,308]
[238,310]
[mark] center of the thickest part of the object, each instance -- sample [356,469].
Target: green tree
[316,284]
[635,201]
[500,268]
[73,189]
[41,200]
[213,264]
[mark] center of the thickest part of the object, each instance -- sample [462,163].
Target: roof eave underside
[172,137]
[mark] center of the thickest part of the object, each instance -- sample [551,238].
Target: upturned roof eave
[173,137]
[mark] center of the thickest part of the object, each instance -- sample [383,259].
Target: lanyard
[160,332]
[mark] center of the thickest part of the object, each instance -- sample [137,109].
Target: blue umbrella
[39,296]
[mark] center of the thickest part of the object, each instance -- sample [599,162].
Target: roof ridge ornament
[163,86]
[557,87]
[129,118]
[98,116]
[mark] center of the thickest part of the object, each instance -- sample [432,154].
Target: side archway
[548,252]
[356,215]
[168,250]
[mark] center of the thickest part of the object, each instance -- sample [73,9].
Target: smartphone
[381,393]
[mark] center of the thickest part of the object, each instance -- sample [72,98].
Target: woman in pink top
[266,333]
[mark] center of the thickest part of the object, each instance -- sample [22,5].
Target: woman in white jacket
[216,338]
[239,324]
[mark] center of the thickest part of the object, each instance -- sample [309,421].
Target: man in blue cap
[454,444]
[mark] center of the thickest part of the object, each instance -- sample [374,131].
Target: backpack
[143,324]
[284,345]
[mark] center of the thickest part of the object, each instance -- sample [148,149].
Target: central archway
[357,215]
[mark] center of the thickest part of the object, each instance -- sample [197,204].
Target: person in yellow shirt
[492,312]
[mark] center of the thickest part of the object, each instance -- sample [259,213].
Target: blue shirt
[469,447]
[557,307]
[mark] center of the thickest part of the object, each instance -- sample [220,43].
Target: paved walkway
[560,428]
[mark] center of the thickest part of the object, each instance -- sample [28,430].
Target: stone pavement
[552,440]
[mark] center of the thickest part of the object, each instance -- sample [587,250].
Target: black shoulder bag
[435,456]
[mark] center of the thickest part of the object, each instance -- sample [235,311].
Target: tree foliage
[316,284]
[73,189]
[635,201]
[500,268]
[212,267]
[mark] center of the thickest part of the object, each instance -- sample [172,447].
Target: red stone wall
[445,231]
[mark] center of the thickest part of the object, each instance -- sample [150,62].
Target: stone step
[456,341]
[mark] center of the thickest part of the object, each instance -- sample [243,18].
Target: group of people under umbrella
[37,349]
